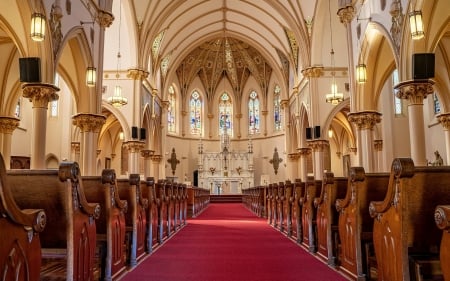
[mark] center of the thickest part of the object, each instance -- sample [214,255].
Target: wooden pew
[308,215]
[404,217]
[135,217]
[20,247]
[327,216]
[355,224]
[111,224]
[271,215]
[296,211]
[68,240]
[287,205]
[169,188]
[442,219]
[163,219]
[184,204]
[149,192]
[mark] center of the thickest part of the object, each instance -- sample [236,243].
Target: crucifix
[173,161]
[275,161]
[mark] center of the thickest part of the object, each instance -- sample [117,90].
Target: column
[90,125]
[444,119]
[415,91]
[292,166]
[75,151]
[156,160]
[317,147]
[210,117]
[313,74]
[137,75]
[378,146]
[147,155]
[239,120]
[365,122]
[264,114]
[134,148]
[40,95]
[7,127]
[303,153]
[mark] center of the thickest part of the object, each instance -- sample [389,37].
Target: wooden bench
[287,206]
[327,216]
[68,240]
[149,192]
[442,219]
[296,210]
[184,199]
[135,217]
[20,247]
[271,204]
[111,224]
[163,219]
[308,215]
[355,224]
[404,218]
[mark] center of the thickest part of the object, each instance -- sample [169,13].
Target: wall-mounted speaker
[423,66]
[195,177]
[308,133]
[134,132]
[317,132]
[30,69]
[142,135]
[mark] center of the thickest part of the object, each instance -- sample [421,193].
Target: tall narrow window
[253,113]
[398,104]
[225,114]
[436,104]
[17,110]
[171,111]
[54,108]
[277,108]
[195,108]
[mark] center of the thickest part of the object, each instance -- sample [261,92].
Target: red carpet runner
[228,243]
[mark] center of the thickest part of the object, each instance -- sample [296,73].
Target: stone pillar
[239,120]
[90,125]
[378,146]
[147,155]
[415,91]
[318,147]
[134,147]
[210,117]
[292,166]
[156,160]
[75,151]
[313,74]
[40,95]
[444,119]
[7,126]
[264,114]
[303,153]
[365,122]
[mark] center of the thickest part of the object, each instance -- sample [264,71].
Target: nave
[227,242]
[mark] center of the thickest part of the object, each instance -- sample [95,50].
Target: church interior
[231,97]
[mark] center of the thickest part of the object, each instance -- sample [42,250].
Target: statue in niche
[275,161]
[438,161]
[173,161]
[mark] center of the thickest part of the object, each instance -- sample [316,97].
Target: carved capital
[346,14]
[89,122]
[8,124]
[210,116]
[147,153]
[414,90]
[352,149]
[165,104]
[365,120]
[239,115]
[304,151]
[156,158]
[264,112]
[444,119]
[313,72]
[75,147]
[137,74]
[134,146]
[293,156]
[40,94]
[378,145]
[284,103]
[318,145]
[104,18]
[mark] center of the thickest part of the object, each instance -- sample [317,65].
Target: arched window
[436,104]
[277,108]
[398,103]
[253,113]
[17,111]
[171,111]
[225,114]
[195,109]
[54,104]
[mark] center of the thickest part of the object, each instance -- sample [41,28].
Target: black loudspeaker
[423,66]
[317,132]
[30,69]
[134,132]
[195,176]
[142,134]
[308,133]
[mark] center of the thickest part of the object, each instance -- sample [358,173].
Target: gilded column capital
[414,90]
[75,146]
[210,116]
[147,153]
[165,104]
[104,18]
[352,150]
[293,156]
[156,158]
[284,103]
[8,124]
[264,112]
[365,120]
[239,115]
[154,92]
[378,145]
[444,119]
[137,74]
[313,71]
[134,145]
[318,145]
[89,122]
[40,94]
[346,14]
[304,151]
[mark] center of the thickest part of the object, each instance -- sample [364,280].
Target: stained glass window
[171,111]
[277,108]
[17,110]
[253,113]
[437,104]
[225,114]
[195,108]
[398,104]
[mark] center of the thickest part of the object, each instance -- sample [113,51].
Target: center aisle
[229,243]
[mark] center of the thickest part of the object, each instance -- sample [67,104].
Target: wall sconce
[361,73]
[91,76]
[37,27]
[416,25]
